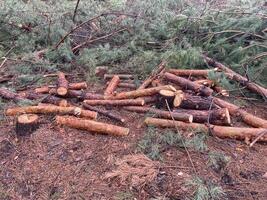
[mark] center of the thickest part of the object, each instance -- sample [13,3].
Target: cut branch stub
[26,124]
[92,126]
[62,89]
[112,85]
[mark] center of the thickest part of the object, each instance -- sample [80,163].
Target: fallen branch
[92,126]
[123,102]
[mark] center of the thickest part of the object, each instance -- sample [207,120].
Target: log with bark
[221,91]
[71,86]
[153,76]
[165,95]
[7,94]
[179,97]
[192,72]
[127,85]
[92,126]
[112,85]
[216,117]
[80,94]
[122,76]
[197,102]
[248,118]
[187,84]
[121,102]
[219,131]
[206,82]
[26,124]
[63,84]
[104,112]
[237,77]
[161,113]
[142,92]
[51,110]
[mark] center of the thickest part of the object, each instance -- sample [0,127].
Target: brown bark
[92,126]
[51,110]
[104,112]
[7,94]
[248,118]
[127,85]
[237,77]
[63,84]
[150,99]
[142,92]
[71,86]
[221,91]
[161,113]
[122,76]
[187,84]
[123,102]
[26,124]
[80,94]
[153,76]
[217,117]
[112,85]
[197,103]
[192,72]
[206,82]
[179,96]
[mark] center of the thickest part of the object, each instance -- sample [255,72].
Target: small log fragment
[216,117]
[100,71]
[122,102]
[153,76]
[26,124]
[63,84]
[221,91]
[92,126]
[197,102]
[187,84]
[104,112]
[160,113]
[179,96]
[192,72]
[142,92]
[248,118]
[205,82]
[127,85]
[122,76]
[7,94]
[112,85]
[51,110]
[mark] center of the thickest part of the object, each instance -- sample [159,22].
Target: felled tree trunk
[63,84]
[237,77]
[237,111]
[51,110]
[217,117]
[122,76]
[160,113]
[71,86]
[187,84]
[142,92]
[127,85]
[197,103]
[92,126]
[80,94]
[104,112]
[7,94]
[112,85]
[192,72]
[123,102]
[26,124]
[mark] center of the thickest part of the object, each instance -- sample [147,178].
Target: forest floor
[63,163]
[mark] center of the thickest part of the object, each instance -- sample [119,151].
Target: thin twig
[75,11]
[261,134]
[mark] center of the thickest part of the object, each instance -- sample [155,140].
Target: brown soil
[62,163]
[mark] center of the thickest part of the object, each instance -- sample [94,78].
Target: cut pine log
[248,118]
[187,84]
[179,97]
[7,94]
[26,124]
[123,102]
[112,85]
[142,92]
[237,77]
[197,103]
[219,131]
[122,76]
[160,113]
[153,76]
[150,99]
[71,86]
[206,82]
[104,112]
[80,94]
[192,72]
[92,126]
[216,117]
[63,84]
[127,85]
[51,110]
[221,91]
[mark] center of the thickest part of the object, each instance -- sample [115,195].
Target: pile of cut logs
[176,98]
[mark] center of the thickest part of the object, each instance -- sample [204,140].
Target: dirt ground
[63,163]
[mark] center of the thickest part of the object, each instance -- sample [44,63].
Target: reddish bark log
[63,84]
[123,102]
[112,85]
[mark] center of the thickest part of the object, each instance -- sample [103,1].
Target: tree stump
[26,124]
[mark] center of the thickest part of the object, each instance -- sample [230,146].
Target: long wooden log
[141,92]
[127,85]
[121,102]
[92,126]
[197,102]
[219,131]
[161,113]
[112,85]
[192,72]
[237,77]
[51,110]
[63,84]
[104,112]
[187,84]
[153,76]
[7,94]
[122,76]
[248,118]
[71,86]
[216,117]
